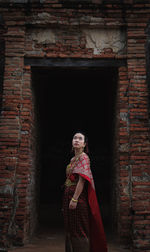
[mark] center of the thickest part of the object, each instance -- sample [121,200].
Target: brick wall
[103,30]
[2,58]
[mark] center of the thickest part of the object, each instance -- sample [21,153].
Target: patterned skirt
[76,221]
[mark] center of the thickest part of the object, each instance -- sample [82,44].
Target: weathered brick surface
[75,29]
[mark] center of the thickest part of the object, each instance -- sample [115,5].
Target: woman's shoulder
[84,156]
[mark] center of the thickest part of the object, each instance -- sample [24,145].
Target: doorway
[68,100]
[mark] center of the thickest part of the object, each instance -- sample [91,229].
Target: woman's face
[78,141]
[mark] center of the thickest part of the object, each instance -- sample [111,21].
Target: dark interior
[68,100]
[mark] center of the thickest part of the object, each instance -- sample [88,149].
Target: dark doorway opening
[68,100]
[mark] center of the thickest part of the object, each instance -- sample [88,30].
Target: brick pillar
[27,171]
[139,137]
[124,172]
[2,58]
[13,189]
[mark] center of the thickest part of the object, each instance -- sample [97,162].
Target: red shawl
[97,234]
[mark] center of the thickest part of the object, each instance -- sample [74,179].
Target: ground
[53,241]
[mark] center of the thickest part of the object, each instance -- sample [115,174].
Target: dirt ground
[53,241]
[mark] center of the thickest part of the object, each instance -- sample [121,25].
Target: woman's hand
[72,205]
[78,190]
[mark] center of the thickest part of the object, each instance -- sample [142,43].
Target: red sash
[97,234]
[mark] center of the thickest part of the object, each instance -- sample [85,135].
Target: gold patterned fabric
[68,181]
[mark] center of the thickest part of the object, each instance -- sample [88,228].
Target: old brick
[111,31]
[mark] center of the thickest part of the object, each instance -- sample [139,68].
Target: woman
[83,224]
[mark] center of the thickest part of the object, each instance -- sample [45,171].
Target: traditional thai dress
[84,228]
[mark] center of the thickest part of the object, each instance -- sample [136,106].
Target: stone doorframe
[121,145]
[73,62]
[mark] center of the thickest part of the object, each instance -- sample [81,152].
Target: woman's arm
[78,191]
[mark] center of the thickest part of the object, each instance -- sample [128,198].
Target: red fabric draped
[97,234]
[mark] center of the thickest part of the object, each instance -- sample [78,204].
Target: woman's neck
[78,152]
